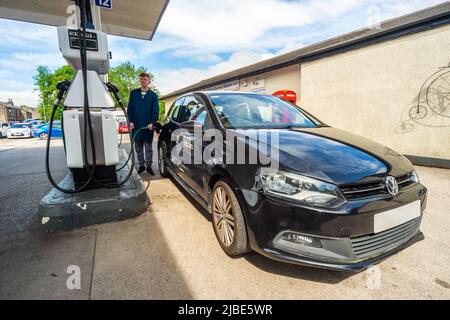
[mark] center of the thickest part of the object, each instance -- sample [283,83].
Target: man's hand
[131,125]
[150,127]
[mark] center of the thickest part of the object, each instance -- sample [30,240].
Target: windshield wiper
[292,127]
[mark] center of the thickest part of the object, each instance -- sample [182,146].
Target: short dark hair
[144,74]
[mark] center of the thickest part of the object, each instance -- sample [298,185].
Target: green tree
[162,110]
[46,81]
[125,76]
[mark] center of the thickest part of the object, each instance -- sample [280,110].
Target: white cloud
[290,46]
[25,97]
[237,60]
[13,85]
[202,28]
[5,73]
[22,35]
[162,43]
[29,61]
[250,28]
[390,9]
[200,31]
[171,80]
[123,54]
[227,25]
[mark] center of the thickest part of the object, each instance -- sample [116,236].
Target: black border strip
[429,162]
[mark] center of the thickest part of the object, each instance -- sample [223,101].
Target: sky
[198,39]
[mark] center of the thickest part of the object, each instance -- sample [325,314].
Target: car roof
[216,92]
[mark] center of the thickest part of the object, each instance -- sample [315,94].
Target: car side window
[203,117]
[200,116]
[175,110]
[190,107]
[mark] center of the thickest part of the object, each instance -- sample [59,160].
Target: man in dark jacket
[143,112]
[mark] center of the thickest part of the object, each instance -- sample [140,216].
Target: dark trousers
[144,152]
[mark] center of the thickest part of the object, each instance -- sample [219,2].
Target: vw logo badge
[391,185]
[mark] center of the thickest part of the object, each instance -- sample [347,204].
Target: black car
[334,199]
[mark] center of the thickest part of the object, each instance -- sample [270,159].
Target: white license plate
[395,217]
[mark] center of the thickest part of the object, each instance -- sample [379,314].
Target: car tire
[43,136]
[229,227]
[162,161]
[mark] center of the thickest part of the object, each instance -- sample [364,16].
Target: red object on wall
[287,95]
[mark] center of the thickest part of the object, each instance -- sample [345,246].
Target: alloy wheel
[223,217]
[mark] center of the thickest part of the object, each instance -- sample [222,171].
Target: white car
[19,130]
[3,129]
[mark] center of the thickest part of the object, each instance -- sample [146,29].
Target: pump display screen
[91,40]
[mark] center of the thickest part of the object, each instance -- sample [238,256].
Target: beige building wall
[370,92]
[168,103]
[282,79]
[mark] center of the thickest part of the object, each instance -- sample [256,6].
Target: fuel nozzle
[112,88]
[62,86]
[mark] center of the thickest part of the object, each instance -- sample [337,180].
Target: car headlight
[303,189]
[413,177]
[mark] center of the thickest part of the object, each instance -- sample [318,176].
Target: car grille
[364,190]
[372,245]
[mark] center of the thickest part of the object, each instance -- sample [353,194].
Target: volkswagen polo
[322,197]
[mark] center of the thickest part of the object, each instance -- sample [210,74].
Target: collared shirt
[143,93]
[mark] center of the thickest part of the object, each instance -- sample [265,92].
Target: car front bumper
[346,238]
[326,263]
[15,136]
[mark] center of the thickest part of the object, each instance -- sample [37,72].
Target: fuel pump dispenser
[96,190]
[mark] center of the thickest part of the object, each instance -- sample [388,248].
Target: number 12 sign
[104,3]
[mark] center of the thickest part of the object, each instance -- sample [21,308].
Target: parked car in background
[41,131]
[123,127]
[19,130]
[3,129]
[35,123]
[32,120]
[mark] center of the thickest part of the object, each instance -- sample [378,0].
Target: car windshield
[252,111]
[19,126]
